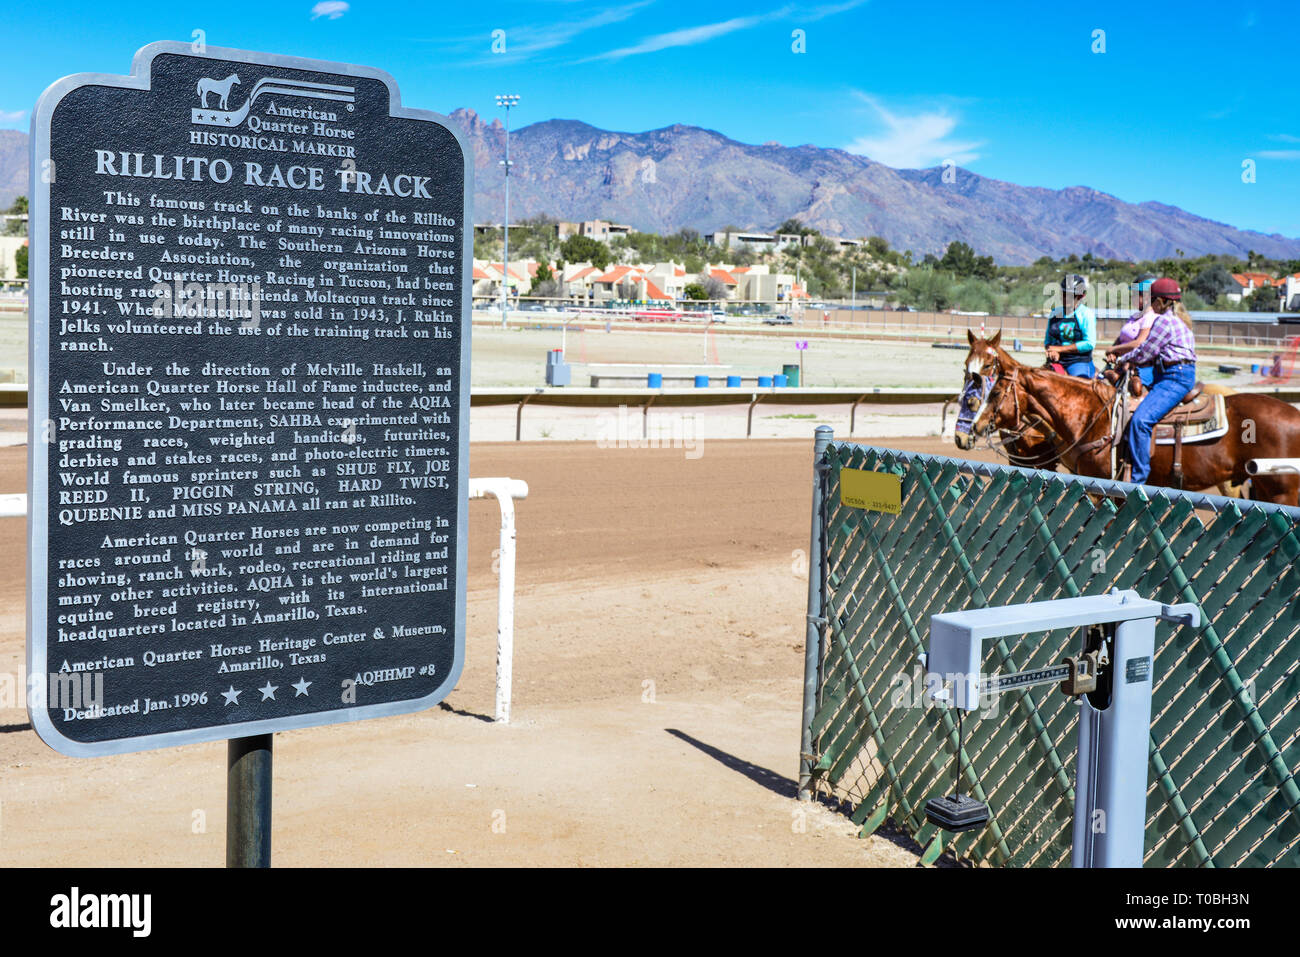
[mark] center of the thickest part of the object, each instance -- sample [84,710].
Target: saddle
[1200,417]
[1199,414]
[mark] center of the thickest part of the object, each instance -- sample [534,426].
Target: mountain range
[688,177]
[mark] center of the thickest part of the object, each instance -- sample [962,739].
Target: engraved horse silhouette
[220,87]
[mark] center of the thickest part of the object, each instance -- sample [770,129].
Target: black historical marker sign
[249,401]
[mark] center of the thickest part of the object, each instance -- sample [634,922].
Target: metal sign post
[249,407]
[1113,675]
[248,801]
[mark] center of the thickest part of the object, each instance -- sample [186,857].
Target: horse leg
[1278,489]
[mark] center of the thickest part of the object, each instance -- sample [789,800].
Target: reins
[1057,455]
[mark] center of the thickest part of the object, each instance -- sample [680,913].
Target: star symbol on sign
[231,696]
[301,687]
[268,693]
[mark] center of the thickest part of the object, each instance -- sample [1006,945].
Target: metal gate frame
[1225,739]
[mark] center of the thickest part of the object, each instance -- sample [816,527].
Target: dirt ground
[658,671]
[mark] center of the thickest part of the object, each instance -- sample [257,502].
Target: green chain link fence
[1225,733]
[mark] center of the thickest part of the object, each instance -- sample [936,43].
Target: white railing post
[505,491]
[13,505]
[1273,467]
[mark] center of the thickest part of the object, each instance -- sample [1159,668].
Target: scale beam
[1112,675]
[1023,679]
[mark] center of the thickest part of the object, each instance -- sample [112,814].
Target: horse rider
[1072,332]
[1171,348]
[1134,332]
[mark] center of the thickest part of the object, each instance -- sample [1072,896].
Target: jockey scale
[1113,678]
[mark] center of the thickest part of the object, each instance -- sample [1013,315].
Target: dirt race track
[658,671]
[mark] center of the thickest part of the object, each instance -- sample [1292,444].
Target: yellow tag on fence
[874,491]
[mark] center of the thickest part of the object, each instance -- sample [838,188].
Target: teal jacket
[1078,330]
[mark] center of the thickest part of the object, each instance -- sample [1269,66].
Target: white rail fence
[505,491]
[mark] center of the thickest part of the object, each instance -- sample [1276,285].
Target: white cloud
[1280,154]
[820,13]
[12,116]
[330,9]
[536,39]
[688,36]
[915,141]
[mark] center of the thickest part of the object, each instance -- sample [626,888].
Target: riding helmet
[1166,288]
[1075,284]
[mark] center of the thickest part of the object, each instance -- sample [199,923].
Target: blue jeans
[1081,366]
[1147,374]
[1166,392]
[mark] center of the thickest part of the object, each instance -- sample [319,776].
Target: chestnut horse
[1068,420]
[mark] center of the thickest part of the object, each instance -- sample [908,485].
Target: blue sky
[1181,97]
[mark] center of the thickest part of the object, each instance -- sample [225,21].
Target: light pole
[506,100]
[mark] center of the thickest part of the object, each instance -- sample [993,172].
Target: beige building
[758,283]
[597,229]
[9,246]
[488,276]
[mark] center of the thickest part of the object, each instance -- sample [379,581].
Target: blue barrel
[655,380]
[765,382]
[701,382]
[733,381]
[780,381]
[1254,368]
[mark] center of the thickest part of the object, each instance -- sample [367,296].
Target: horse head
[233,79]
[985,368]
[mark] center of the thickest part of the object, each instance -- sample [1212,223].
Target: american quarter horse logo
[222,115]
[220,87]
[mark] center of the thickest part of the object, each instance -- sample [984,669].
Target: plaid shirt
[1168,341]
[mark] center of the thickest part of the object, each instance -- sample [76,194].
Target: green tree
[960,260]
[21,258]
[1263,299]
[928,290]
[544,273]
[578,249]
[695,291]
[792,226]
[975,295]
[16,227]
[487,247]
[1212,282]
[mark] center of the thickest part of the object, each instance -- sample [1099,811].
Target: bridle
[993,395]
